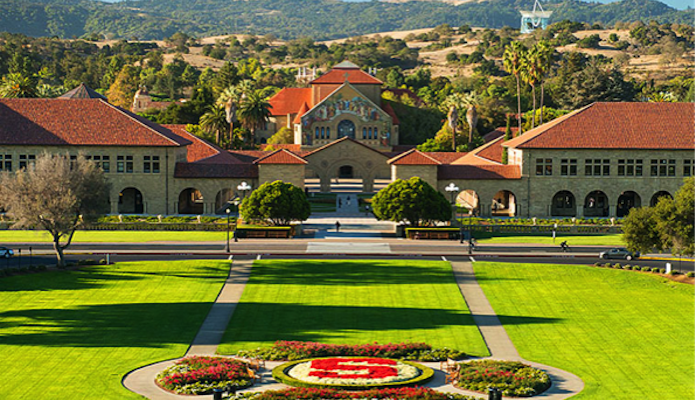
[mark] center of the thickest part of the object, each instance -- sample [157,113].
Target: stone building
[598,161]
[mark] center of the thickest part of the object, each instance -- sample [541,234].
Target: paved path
[141,380]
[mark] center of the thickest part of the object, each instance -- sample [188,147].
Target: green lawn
[13,236]
[75,334]
[580,240]
[352,302]
[627,335]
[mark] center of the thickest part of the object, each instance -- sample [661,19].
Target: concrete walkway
[142,380]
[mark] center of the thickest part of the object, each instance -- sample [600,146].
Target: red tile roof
[303,110]
[492,150]
[289,100]
[616,126]
[295,148]
[201,151]
[445,172]
[85,122]
[336,142]
[413,157]
[281,156]
[445,157]
[354,76]
[499,132]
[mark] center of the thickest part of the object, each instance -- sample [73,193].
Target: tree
[508,136]
[277,202]
[669,224]
[471,101]
[254,112]
[413,201]
[544,53]
[213,121]
[283,136]
[122,91]
[57,194]
[512,62]
[14,85]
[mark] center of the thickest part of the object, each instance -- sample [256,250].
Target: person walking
[338,226]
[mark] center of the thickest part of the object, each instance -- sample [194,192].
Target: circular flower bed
[512,378]
[352,373]
[200,375]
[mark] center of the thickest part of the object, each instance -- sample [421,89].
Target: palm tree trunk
[541,114]
[519,106]
[454,138]
[533,106]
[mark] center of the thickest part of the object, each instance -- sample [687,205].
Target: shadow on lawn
[110,325]
[313,272]
[258,322]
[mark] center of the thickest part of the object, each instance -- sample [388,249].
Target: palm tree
[531,73]
[254,112]
[471,100]
[214,121]
[230,98]
[545,54]
[15,85]
[512,62]
[453,103]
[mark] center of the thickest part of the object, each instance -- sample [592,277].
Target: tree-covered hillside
[319,19]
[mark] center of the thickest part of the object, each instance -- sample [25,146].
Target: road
[325,249]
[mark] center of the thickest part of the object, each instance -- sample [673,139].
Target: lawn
[628,335]
[352,302]
[322,202]
[75,334]
[579,240]
[17,236]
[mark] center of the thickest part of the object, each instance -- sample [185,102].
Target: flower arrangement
[404,393]
[512,378]
[295,350]
[351,373]
[200,375]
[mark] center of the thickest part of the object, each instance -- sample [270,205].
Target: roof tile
[281,156]
[445,172]
[289,100]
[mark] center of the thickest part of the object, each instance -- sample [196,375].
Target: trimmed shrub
[598,264]
[607,265]
[690,274]
[418,393]
[655,270]
[626,266]
[200,375]
[645,269]
[662,270]
[42,267]
[673,272]
[511,377]
[617,266]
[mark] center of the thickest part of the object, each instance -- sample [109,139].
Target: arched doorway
[469,200]
[130,201]
[657,196]
[627,200]
[191,201]
[563,204]
[504,204]
[346,128]
[223,200]
[345,172]
[596,205]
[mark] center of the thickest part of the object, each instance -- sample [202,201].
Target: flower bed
[418,393]
[294,350]
[200,375]
[351,373]
[512,378]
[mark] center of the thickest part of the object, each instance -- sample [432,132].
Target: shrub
[645,269]
[626,266]
[607,265]
[418,393]
[42,267]
[200,375]
[655,270]
[294,350]
[598,264]
[617,266]
[662,270]
[673,272]
[690,274]
[511,377]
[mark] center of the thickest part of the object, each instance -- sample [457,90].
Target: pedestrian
[340,203]
[348,200]
[338,226]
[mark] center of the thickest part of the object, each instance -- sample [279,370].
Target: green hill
[319,19]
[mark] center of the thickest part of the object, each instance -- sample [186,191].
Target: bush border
[279,374]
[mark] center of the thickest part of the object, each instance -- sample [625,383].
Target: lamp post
[236,205]
[227,249]
[244,187]
[452,189]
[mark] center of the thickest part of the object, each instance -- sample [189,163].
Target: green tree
[15,85]
[413,201]
[283,136]
[640,230]
[508,136]
[513,64]
[122,91]
[277,202]
[56,194]
[214,122]
[254,112]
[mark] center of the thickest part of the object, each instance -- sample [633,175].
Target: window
[630,168]
[569,167]
[544,166]
[364,133]
[5,162]
[322,133]
[106,165]
[663,167]
[26,159]
[369,133]
[151,164]
[316,133]
[120,164]
[597,167]
[688,168]
[129,164]
[328,133]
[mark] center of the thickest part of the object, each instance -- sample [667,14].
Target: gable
[346,100]
[346,147]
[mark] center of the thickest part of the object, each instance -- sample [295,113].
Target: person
[340,203]
[564,246]
[348,200]
[338,226]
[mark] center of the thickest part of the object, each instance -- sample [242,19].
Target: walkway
[564,385]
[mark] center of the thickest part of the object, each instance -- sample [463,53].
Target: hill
[156,19]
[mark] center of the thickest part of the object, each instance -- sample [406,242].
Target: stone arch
[191,202]
[656,197]
[469,199]
[359,171]
[223,200]
[627,200]
[346,128]
[596,204]
[504,203]
[563,204]
[130,201]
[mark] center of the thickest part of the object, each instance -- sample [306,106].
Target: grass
[627,335]
[75,334]
[579,240]
[322,202]
[17,236]
[352,302]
